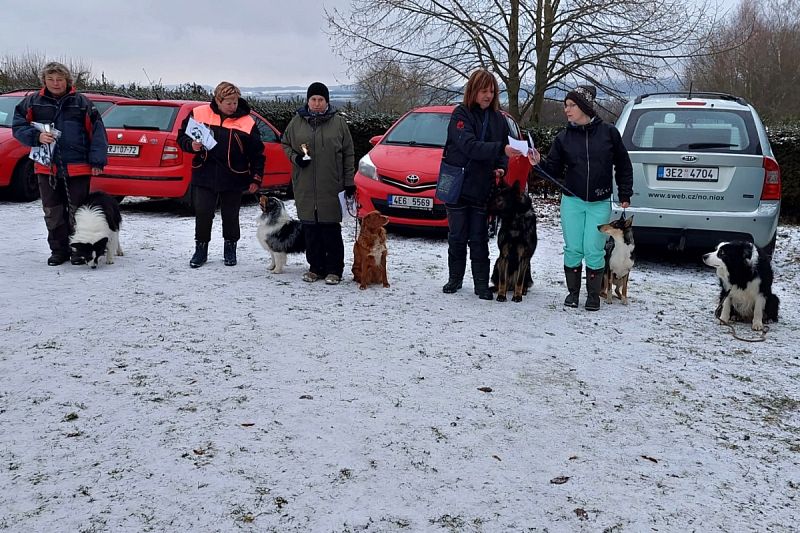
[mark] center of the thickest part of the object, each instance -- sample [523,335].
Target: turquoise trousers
[582,241]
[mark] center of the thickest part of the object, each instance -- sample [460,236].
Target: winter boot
[573,277]
[480,278]
[456,268]
[200,254]
[594,282]
[229,253]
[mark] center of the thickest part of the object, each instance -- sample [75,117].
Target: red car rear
[144,158]
[398,176]
[16,170]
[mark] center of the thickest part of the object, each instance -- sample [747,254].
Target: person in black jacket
[63,172]
[587,156]
[477,140]
[224,172]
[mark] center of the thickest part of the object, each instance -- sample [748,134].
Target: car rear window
[713,130]
[102,107]
[145,117]
[7,105]
[425,129]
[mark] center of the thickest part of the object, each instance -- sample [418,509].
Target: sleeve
[184,141]
[98,146]
[623,169]
[286,140]
[553,164]
[502,159]
[257,158]
[348,155]
[21,125]
[462,133]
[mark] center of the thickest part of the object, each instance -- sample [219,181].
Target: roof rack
[694,94]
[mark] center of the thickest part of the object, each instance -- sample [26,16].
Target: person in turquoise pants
[588,156]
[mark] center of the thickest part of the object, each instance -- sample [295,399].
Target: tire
[24,184]
[119,198]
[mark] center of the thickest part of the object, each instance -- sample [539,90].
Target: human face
[317,104]
[56,84]
[574,113]
[228,104]
[485,97]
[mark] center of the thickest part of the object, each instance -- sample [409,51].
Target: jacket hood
[590,126]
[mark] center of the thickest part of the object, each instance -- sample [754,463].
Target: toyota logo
[412,178]
[689,158]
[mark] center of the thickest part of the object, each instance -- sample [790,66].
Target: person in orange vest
[224,172]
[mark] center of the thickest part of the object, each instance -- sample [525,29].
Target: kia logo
[412,178]
[689,158]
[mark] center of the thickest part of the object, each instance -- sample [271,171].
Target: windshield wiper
[148,128]
[415,143]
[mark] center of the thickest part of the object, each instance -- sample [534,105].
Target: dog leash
[762,338]
[554,181]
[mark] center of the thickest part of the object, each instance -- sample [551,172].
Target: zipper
[588,169]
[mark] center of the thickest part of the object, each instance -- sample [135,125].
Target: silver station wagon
[703,171]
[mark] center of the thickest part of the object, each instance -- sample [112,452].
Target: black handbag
[451,177]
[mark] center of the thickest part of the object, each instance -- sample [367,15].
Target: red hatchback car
[144,158]
[16,169]
[398,176]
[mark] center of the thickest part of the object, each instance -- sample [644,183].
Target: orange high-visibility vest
[207,116]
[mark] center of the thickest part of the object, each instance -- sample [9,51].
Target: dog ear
[629,222]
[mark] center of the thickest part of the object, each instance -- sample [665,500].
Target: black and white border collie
[97,223]
[745,277]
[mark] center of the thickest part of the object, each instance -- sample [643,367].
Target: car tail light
[691,102]
[171,155]
[772,180]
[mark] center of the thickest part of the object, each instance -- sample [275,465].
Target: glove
[302,163]
[350,191]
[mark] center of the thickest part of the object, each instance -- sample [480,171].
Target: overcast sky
[247,42]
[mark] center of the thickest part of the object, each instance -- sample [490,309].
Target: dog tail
[771,309]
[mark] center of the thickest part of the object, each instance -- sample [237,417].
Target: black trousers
[205,204]
[324,248]
[56,210]
[467,226]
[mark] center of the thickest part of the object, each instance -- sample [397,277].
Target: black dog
[516,240]
[745,279]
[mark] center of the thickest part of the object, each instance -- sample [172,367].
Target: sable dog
[278,233]
[370,250]
[745,279]
[619,258]
[516,240]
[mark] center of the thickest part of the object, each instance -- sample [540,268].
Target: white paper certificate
[520,146]
[200,133]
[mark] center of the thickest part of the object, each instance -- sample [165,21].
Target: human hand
[96,171]
[253,188]
[350,191]
[499,173]
[46,137]
[196,146]
[302,163]
[625,205]
[512,152]
[534,156]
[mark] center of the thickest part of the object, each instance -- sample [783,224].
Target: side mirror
[375,140]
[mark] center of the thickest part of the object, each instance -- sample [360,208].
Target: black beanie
[318,89]
[583,96]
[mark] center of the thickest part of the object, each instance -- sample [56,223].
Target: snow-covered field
[146,396]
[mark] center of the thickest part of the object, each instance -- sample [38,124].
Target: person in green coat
[318,143]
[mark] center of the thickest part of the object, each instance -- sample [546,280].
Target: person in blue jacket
[477,140]
[80,152]
[588,156]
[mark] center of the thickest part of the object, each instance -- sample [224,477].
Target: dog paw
[501,297]
[516,298]
[758,326]
[362,287]
[386,285]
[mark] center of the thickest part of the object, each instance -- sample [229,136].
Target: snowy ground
[146,396]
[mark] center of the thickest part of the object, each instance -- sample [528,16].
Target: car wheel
[24,184]
[119,199]
[769,249]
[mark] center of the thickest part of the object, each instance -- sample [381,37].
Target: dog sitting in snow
[619,258]
[745,278]
[516,239]
[370,250]
[97,223]
[278,233]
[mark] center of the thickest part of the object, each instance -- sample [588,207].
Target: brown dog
[369,251]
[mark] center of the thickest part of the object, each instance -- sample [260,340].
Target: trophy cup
[304,147]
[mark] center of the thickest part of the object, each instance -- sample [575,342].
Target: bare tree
[386,86]
[532,46]
[23,70]
[763,69]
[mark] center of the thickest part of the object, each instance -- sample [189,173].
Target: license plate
[129,150]
[688,173]
[411,202]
